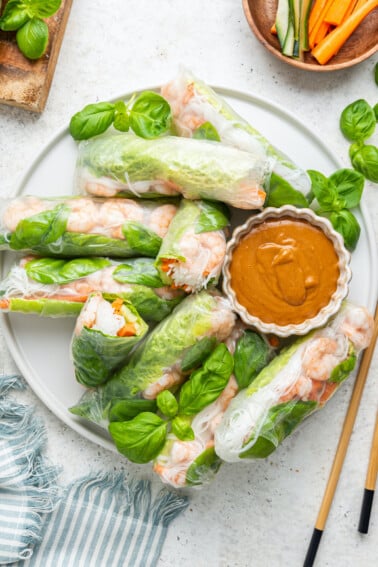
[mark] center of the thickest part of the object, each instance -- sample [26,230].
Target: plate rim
[87,431]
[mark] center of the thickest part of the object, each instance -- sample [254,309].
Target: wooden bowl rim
[296,62]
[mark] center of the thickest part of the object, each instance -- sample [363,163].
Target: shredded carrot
[336,39]
[68,298]
[127,330]
[336,12]
[117,304]
[315,29]
[273,29]
[330,387]
[315,13]
[166,264]
[4,303]
[274,341]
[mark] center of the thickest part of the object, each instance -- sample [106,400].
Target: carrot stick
[334,40]
[358,4]
[273,29]
[322,32]
[315,13]
[351,8]
[336,13]
[318,23]
[127,330]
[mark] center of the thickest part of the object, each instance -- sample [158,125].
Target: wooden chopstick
[371,479]
[342,447]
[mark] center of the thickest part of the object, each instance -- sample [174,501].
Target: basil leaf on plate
[92,120]
[150,115]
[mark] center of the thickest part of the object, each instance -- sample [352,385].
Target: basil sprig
[148,115]
[335,196]
[357,123]
[27,18]
[252,353]
[142,438]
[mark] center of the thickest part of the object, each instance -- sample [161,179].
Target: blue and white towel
[95,522]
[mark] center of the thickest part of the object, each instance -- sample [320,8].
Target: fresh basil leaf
[92,120]
[181,427]
[121,117]
[141,439]
[365,160]
[278,424]
[251,355]
[32,38]
[141,239]
[42,8]
[357,121]
[206,384]
[138,271]
[196,354]
[167,403]
[83,244]
[282,193]
[40,229]
[14,16]
[206,132]
[203,468]
[213,216]
[347,225]
[324,191]
[60,271]
[124,410]
[349,185]
[150,115]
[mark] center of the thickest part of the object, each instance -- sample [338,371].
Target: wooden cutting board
[26,83]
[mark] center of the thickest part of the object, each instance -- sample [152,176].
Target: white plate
[40,346]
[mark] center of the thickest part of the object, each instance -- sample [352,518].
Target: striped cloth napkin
[100,521]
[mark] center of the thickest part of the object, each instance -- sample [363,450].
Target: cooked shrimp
[160,219]
[173,468]
[357,324]
[83,215]
[301,389]
[322,355]
[204,254]
[169,379]
[88,314]
[100,189]
[115,212]
[20,209]
[222,319]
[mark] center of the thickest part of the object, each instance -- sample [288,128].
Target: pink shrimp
[83,215]
[22,208]
[169,379]
[115,212]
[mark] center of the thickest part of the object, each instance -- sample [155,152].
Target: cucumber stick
[292,26]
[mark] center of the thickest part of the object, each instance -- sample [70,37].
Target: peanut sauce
[284,271]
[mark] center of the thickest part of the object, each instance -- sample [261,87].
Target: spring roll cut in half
[155,365]
[192,462]
[195,104]
[55,287]
[84,226]
[104,334]
[125,165]
[297,382]
[192,253]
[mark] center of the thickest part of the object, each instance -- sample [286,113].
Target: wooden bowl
[362,43]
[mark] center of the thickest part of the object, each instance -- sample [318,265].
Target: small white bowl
[337,297]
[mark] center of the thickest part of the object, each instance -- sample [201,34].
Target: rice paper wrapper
[194,103]
[155,364]
[193,250]
[96,349]
[125,165]
[84,226]
[53,287]
[299,381]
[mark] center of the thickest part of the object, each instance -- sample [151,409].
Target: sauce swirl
[284,271]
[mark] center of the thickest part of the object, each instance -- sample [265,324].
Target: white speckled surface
[255,514]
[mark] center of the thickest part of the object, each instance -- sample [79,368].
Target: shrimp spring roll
[57,287]
[125,165]
[105,332]
[296,383]
[194,104]
[193,250]
[155,365]
[84,226]
[193,461]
